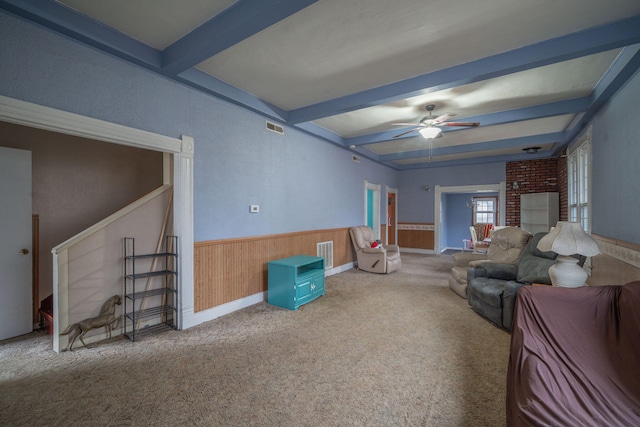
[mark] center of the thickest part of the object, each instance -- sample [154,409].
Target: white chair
[479,246]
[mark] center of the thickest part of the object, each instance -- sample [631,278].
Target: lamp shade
[568,238]
[430,132]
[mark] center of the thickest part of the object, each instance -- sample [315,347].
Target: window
[579,174]
[485,210]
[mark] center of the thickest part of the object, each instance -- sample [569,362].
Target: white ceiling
[532,72]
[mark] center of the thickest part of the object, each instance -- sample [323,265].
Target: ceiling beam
[570,106]
[70,23]
[525,141]
[208,84]
[587,42]
[623,68]
[240,21]
[321,132]
[475,161]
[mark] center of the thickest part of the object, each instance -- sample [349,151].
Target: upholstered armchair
[493,287]
[506,246]
[380,259]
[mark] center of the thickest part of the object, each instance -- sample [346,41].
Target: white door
[15,243]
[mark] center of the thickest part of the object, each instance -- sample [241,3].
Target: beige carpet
[377,350]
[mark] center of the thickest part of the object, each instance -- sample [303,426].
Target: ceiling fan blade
[406,124]
[466,124]
[404,133]
[444,117]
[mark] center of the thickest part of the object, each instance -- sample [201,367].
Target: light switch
[255,209]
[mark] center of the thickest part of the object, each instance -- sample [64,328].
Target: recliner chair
[382,259]
[506,245]
[493,287]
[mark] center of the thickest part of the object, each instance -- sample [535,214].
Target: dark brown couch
[575,357]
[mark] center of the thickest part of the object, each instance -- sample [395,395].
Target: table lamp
[566,239]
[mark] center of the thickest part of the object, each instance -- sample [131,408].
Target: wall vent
[355,159]
[325,250]
[275,128]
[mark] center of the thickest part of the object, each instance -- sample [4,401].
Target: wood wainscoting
[229,269]
[415,235]
[618,264]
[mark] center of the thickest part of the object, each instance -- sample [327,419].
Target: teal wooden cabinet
[295,281]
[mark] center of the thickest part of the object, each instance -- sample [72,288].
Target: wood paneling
[615,266]
[230,269]
[415,235]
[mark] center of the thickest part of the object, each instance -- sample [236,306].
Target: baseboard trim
[339,269]
[417,251]
[192,319]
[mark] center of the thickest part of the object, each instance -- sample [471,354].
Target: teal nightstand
[295,281]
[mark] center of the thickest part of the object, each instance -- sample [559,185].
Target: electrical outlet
[254,209]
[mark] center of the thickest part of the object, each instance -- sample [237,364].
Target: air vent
[355,159]
[325,250]
[275,128]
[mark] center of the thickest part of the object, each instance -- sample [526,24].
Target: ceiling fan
[429,126]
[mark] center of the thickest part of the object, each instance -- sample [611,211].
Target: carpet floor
[376,350]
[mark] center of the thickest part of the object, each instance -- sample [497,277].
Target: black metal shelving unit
[150,289]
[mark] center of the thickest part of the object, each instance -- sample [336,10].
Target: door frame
[182,153]
[17,247]
[376,188]
[35,267]
[440,191]
[393,191]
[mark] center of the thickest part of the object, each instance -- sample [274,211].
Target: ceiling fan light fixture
[430,132]
[531,150]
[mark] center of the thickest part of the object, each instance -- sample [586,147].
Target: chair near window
[479,232]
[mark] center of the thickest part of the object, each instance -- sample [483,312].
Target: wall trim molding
[415,226]
[626,252]
[192,318]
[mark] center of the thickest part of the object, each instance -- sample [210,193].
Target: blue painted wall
[299,181]
[459,219]
[417,205]
[616,166]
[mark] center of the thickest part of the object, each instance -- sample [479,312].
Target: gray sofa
[493,287]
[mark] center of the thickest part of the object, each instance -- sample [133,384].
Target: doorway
[476,190]
[16,305]
[392,216]
[372,207]
[182,152]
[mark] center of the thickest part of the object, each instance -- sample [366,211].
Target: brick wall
[533,176]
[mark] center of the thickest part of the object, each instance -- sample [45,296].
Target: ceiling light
[531,150]
[430,132]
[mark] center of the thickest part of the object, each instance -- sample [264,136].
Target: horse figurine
[105,318]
